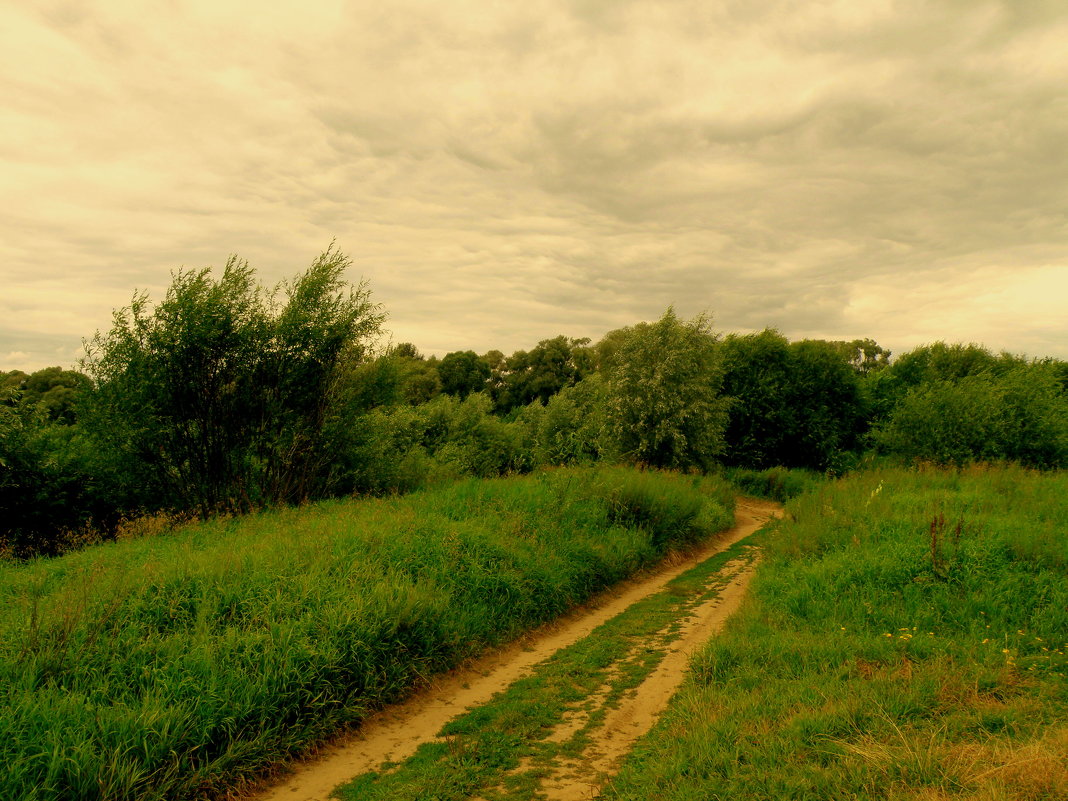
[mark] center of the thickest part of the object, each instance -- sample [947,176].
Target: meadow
[905,638]
[178,666]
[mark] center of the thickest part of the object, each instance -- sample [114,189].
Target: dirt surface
[580,778]
[395,733]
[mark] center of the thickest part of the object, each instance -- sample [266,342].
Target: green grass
[905,638]
[776,483]
[173,667]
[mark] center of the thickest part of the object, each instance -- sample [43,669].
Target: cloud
[505,173]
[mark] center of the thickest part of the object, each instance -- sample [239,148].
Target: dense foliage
[226,397]
[662,392]
[217,398]
[1019,414]
[797,404]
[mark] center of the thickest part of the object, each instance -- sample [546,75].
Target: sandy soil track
[396,732]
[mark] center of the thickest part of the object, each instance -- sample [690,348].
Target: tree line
[227,396]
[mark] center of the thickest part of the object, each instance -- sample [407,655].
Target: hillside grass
[905,638]
[177,666]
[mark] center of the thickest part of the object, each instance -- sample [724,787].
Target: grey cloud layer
[503,173]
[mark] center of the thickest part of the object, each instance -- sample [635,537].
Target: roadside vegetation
[905,637]
[170,668]
[775,483]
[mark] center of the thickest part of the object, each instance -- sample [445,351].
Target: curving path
[395,733]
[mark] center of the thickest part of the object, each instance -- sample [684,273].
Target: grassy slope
[871,662]
[172,667]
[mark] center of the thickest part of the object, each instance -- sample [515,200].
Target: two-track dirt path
[395,733]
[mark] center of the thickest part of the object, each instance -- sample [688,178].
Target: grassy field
[905,638]
[173,667]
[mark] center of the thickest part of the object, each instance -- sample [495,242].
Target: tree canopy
[795,404]
[662,392]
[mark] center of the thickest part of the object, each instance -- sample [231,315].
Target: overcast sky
[503,172]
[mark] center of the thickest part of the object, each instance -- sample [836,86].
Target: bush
[776,483]
[1020,415]
[573,428]
[482,445]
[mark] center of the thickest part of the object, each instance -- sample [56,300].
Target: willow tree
[216,398]
[662,392]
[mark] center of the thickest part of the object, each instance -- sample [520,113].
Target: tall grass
[906,637]
[775,483]
[174,667]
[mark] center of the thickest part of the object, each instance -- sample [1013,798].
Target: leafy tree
[864,355]
[1034,416]
[573,428]
[483,445]
[11,386]
[50,484]
[420,380]
[795,404]
[540,373]
[495,360]
[662,393]
[53,389]
[463,372]
[217,398]
[758,375]
[827,398]
[407,350]
[930,364]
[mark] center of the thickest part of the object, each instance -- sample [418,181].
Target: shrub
[1020,414]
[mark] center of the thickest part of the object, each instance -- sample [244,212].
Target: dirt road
[609,721]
